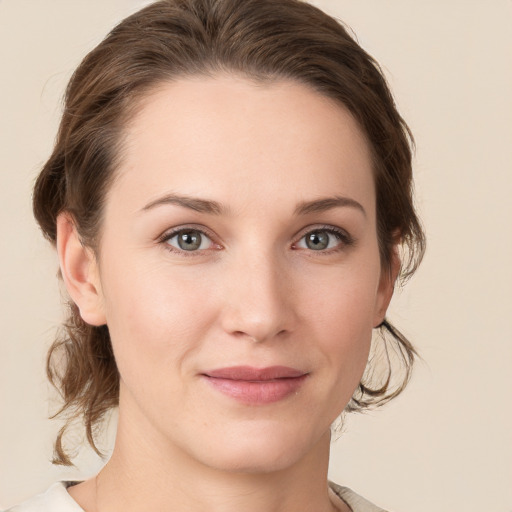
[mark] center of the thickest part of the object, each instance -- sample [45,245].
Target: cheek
[155,318]
[342,300]
[340,317]
[347,331]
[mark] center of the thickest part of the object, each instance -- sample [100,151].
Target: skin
[254,293]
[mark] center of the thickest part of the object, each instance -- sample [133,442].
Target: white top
[57,499]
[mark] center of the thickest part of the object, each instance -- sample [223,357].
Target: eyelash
[345,239]
[168,235]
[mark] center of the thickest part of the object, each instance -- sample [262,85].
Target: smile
[256,386]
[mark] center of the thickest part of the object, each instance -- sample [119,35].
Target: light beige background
[446,444]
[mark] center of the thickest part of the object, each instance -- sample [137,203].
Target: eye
[324,239]
[189,240]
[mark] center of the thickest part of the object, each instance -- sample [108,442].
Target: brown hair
[260,39]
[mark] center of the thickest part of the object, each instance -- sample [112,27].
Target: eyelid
[346,239]
[172,232]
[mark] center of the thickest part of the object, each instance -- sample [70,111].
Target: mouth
[256,386]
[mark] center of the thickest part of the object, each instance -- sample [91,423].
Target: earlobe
[79,270]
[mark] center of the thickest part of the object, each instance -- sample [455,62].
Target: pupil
[189,241]
[318,240]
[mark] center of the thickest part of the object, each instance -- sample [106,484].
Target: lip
[255,386]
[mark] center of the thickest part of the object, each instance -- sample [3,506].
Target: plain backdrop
[445,444]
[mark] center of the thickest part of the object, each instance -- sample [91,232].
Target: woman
[229,196]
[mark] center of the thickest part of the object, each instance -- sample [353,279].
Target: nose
[259,303]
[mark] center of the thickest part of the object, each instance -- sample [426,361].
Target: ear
[79,270]
[386,288]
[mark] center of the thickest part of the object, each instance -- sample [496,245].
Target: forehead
[236,139]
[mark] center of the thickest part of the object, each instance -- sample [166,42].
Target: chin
[258,450]
[252,460]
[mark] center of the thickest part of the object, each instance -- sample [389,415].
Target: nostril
[242,334]
[259,339]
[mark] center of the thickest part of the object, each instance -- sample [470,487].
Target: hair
[262,40]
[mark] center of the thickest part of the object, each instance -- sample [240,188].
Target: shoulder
[354,501]
[55,499]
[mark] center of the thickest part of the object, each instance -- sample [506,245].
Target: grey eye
[189,240]
[317,240]
[322,239]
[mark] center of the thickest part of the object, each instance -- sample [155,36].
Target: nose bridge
[259,305]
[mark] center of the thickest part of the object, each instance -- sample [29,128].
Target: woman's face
[239,270]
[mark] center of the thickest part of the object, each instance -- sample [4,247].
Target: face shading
[239,270]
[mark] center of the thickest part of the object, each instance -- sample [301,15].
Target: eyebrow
[215,208]
[328,203]
[193,203]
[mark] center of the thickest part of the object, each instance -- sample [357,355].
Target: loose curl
[262,40]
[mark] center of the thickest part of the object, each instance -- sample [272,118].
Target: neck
[148,472]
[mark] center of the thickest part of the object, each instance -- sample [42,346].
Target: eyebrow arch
[328,203]
[198,205]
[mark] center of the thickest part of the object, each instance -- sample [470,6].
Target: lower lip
[257,392]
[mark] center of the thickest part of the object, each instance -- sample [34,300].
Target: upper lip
[250,373]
